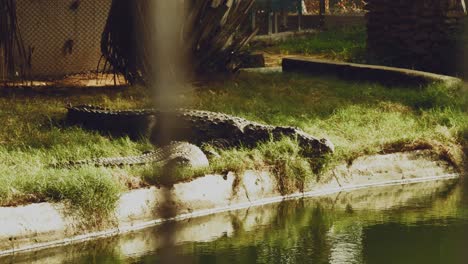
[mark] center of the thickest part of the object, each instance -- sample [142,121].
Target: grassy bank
[33,137]
[344,44]
[358,118]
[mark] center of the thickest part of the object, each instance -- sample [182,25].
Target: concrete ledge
[361,72]
[261,70]
[44,225]
[134,245]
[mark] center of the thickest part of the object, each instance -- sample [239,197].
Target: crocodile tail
[148,157]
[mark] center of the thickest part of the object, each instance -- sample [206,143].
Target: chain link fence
[276,16]
[62,36]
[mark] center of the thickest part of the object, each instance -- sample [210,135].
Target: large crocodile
[194,126]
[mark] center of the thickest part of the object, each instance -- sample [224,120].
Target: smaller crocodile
[181,153]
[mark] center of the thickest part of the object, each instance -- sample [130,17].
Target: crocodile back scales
[194,126]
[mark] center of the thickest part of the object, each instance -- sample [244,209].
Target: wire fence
[62,36]
[275,16]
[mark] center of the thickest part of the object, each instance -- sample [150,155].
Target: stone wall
[417,34]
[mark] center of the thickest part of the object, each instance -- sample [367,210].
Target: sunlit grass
[358,118]
[33,138]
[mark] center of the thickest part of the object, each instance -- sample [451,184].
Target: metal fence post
[322,13]
[2,65]
[270,24]
[275,14]
[285,18]
[253,17]
[299,15]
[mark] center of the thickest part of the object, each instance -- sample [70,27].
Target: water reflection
[418,223]
[346,244]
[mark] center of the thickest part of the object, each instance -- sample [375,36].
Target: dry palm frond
[15,58]
[212,37]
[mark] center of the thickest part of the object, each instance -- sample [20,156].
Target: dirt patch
[453,154]
[81,80]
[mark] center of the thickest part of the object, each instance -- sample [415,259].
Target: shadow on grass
[346,44]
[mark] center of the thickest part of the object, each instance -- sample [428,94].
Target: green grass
[281,157]
[358,118]
[346,44]
[32,137]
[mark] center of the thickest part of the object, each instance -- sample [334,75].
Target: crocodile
[194,126]
[180,153]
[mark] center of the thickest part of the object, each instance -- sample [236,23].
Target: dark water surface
[418,223]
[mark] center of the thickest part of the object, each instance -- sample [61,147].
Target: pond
[416,223]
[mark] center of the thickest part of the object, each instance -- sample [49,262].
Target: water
[417,223]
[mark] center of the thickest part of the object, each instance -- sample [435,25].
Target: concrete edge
[46,225]
[277,69]
[281,36]
[385,75]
